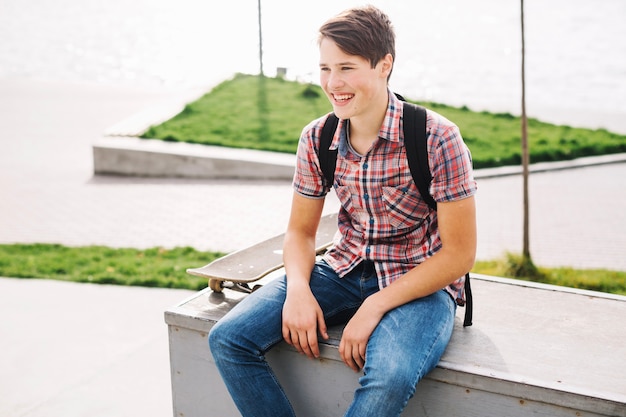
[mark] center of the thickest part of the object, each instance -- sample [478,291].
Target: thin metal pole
[525,156]
[260,42]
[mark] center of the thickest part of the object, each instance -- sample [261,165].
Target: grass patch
[269,114]
[165,268]
[247,112]
[602,280]
[155,267]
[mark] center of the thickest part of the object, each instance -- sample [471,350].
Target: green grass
[165,268]
[602,280]
[154,267]
[270,113]
[247,112]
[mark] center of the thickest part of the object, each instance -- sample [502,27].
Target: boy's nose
[334,80]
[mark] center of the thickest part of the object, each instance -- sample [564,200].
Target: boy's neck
[364,128]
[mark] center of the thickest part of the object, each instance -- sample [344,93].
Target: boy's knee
[395,378]
[216,338]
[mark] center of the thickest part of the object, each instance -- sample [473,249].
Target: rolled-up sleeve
[308,179]
[451,165]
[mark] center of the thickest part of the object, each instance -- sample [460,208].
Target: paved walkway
[78,350]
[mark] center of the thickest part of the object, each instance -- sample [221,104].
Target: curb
[133,156]
[551,166]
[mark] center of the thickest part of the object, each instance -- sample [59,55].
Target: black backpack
[417,155]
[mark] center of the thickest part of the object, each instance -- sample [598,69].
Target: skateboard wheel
[216,285]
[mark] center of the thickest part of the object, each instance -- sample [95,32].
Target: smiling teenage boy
[396,266]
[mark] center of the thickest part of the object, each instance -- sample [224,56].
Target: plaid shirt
[382,216]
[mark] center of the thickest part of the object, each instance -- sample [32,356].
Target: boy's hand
[302,318]
[356,335]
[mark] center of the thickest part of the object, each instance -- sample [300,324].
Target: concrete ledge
[534,349]
[156,158]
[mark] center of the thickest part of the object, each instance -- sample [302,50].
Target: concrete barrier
[533,350]
[156,158]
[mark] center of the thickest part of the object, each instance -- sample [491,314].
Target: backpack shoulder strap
[415,141]
[328,158]
[469,302]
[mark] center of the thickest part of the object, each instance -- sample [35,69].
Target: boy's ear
[386,65]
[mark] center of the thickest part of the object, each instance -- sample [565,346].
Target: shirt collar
[389,130]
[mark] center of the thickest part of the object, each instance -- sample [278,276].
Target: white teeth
[343,97]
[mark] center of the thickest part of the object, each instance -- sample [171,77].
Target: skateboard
[240,268]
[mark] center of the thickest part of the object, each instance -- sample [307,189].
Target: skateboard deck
[255,262]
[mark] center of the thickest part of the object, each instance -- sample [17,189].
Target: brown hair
[363,31]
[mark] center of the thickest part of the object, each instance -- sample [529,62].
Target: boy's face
[350,82]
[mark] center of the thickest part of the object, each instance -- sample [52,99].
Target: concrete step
[132,156]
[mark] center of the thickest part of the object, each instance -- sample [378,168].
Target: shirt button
[366,196]
[365,165]
[371,220]
[367,250]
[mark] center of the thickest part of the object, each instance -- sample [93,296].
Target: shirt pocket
[405,211]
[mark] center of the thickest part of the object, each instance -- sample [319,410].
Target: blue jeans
[406,345]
